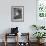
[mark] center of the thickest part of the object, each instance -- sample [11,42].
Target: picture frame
[17,13]
[41,8]
[41,12]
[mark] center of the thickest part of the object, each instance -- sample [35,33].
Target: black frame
[15,8]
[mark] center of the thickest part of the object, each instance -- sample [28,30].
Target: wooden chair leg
[17,39]
[5,43]
[5,39]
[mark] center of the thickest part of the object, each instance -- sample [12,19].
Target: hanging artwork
[17,13]
[41,12]
[41,8]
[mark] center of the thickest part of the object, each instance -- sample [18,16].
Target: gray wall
[29,15]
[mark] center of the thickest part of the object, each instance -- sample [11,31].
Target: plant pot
[40,41]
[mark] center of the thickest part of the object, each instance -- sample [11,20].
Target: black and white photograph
[17,13]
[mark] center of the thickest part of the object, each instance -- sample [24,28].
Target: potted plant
[38,27]
[42,27]
[39,35]
[35,26]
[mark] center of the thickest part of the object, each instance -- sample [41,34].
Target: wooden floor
[13,44]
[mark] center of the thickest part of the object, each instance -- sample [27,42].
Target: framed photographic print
[41,8]
[41,12]
[17,13]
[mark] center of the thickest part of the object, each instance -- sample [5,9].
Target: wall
[29,15]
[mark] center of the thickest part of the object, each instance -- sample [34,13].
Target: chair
[7,35]
[26,41]
[14,32]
